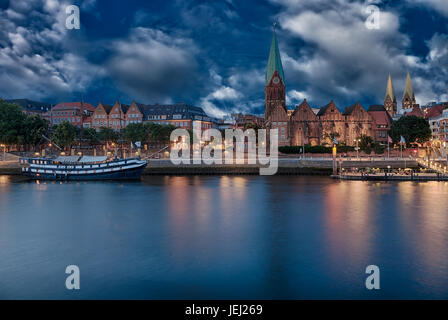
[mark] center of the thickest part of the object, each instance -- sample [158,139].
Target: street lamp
[357,147]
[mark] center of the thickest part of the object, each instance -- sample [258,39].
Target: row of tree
[28,132]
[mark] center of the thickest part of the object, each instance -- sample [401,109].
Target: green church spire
[274,62]
[390,89]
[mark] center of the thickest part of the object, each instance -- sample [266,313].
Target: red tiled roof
[380,117]
[434,111]
[416,111]
[74,105]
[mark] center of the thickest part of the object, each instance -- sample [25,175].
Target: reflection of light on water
[432,227]
[4,179]
[177,198]
[348,207]
[233,191]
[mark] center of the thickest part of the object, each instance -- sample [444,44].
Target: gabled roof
[305,107]
[124,107]
[140,106]
[106,107]
[324,109]
[390,89]
[379,115]
[416,111]
[274,62]
[408,87]
[349,110]
[434,111]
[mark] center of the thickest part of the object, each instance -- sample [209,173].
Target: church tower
[275,81]
[408,101]
[390,102]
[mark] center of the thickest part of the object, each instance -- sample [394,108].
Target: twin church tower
[408,101]
[303,125]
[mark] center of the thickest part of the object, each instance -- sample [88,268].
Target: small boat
[77,168]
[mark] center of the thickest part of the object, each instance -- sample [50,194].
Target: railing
[433,165]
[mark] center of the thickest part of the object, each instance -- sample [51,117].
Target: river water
[223,237]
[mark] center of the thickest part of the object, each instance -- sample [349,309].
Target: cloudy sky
[213,54]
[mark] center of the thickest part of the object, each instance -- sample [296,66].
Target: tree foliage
[412,128]
[18,128]
[64,134]
[11,123]
[108,135]
[90,135]
[135,132]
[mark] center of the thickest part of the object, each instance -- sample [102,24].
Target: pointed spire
[408,87]
[390,89]
[274,62]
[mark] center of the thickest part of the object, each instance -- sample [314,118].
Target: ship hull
[130,174]
[115,170]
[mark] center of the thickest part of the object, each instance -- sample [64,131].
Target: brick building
[75,113]
[100,118]
[303,125]
[242,120]
[382,121]
[180,115]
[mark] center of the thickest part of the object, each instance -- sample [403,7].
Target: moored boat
[76,168]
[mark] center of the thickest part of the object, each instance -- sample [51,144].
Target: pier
[286,166]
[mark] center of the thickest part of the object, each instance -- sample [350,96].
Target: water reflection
[225,237]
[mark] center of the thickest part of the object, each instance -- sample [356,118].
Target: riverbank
[393,177]
[286,166]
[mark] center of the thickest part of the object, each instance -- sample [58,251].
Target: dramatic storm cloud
[214,53]
[152,65]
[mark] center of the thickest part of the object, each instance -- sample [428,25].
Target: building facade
[302,125]
[180,115]
[76,113]
[381,123]
[439,126]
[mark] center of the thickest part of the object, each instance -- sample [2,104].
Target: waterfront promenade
[287,165]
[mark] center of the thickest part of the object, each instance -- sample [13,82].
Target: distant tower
[390,102]
[275,80]
[408,95]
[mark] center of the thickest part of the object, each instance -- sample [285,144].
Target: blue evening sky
[213,54]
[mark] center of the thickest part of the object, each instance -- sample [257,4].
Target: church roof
[303,106]
[390,89]
[323,110]
[379,115]
[349,110]
[408,87]
[274,62]
[376,107]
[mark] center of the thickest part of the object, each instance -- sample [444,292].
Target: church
[303,125]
